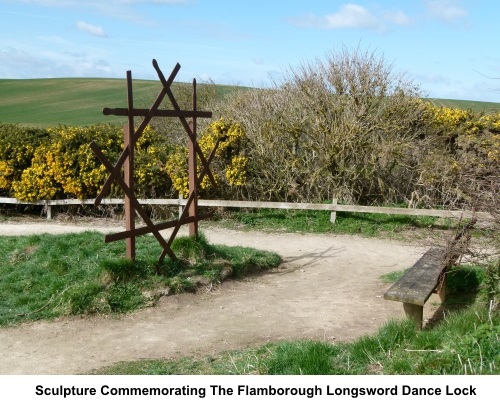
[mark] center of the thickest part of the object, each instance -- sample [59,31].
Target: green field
[72,101]
[484,106]
[76,102]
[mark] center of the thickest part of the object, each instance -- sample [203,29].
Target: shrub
[460,144]
[58,162]
[229,163]
[348,127]
[151,177]
[63,165]
[17,147]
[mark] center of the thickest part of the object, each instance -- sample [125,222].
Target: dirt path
[327,288]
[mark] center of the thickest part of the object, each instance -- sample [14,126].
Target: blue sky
[449,47]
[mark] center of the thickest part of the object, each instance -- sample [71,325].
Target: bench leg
[442,289]
[415,312]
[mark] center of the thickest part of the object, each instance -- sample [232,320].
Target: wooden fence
[333,207]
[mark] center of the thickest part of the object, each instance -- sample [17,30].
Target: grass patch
[234,362]
[392,277]
[466,342]
[46,276]
[364,224]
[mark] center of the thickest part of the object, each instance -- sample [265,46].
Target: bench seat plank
[418,283]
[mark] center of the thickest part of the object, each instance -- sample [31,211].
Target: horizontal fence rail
[333,207]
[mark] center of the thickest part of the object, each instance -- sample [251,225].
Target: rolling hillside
[49,102]
[72,101]
[485,106]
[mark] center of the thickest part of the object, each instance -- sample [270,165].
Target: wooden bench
[427,276]
[417,284]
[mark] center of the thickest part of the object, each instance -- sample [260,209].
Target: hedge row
[57,162]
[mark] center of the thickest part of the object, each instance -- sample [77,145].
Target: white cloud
[94,30]
[26,64]
[353,16]
[447,10]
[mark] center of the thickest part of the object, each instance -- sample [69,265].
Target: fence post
[48,210]
[181,205]
[333,213]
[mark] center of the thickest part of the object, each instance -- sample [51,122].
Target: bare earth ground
[328,288]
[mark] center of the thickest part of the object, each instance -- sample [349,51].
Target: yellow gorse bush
[176,168]
[236,172]
[36,182]
[449,116]
[228,162]
[151,178]
[490,144]
[6,173]
[475,134]
[64,166]
[468,140]
[17,146]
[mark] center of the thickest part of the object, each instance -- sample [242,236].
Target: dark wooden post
[192,172]
[128,132]
[126,161]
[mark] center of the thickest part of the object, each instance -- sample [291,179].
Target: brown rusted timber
[142,112]
[113,237]
[192,180]
[134,202]
[128,174]
[126,161]
[185,124]
[121,160]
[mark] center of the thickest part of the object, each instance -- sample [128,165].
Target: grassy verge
[46,276]
[467,341]
[280,220]
[365,224]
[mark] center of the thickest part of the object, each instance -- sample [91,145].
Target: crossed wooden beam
[189,214]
